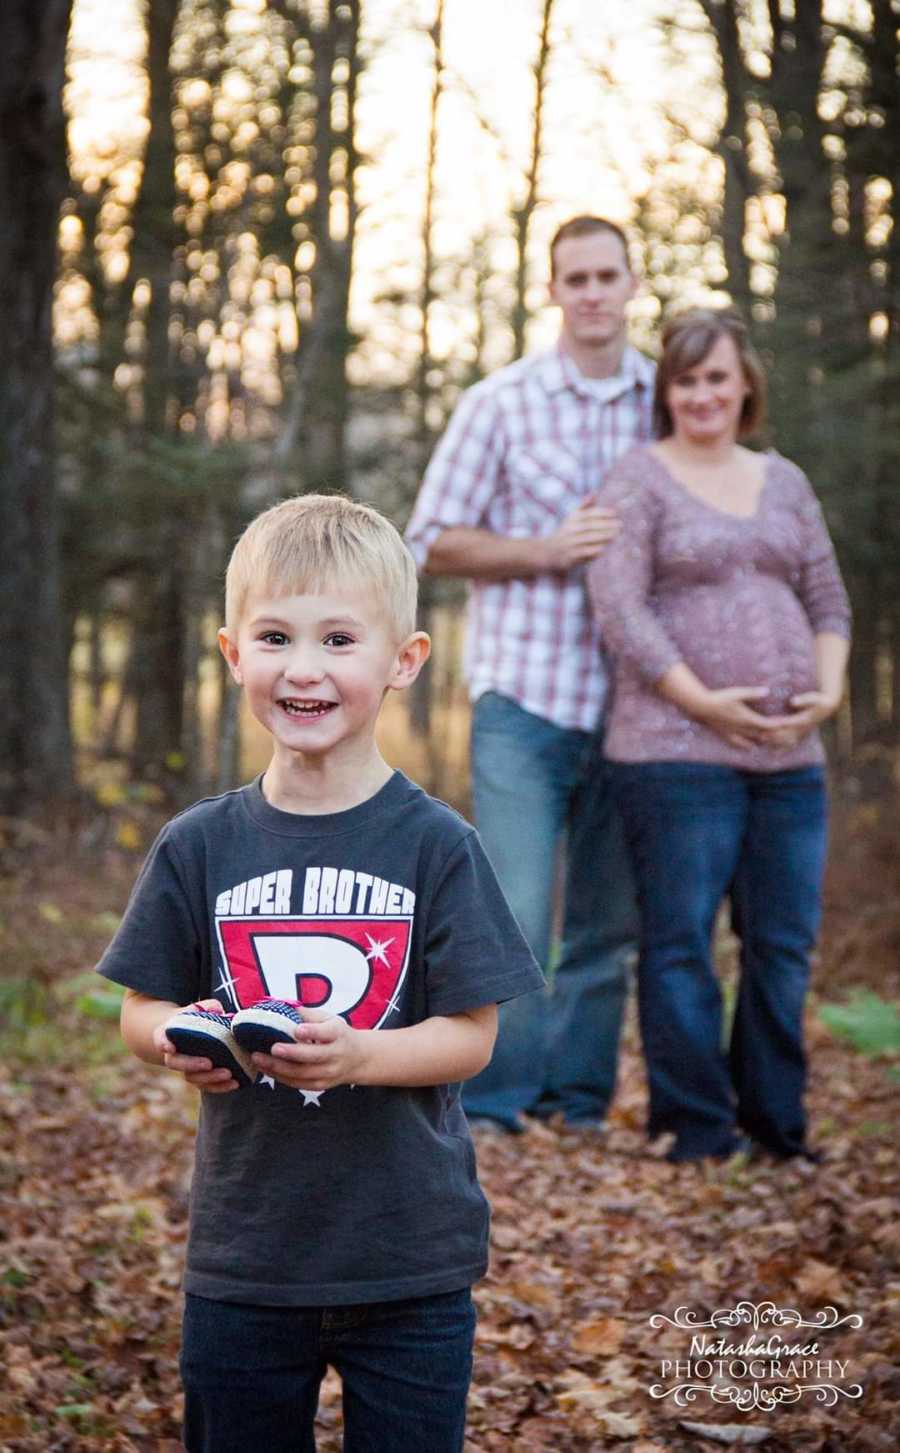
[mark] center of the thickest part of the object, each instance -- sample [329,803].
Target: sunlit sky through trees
[218,345]
[632,109]
[612,80]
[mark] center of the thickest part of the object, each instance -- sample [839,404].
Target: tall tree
[523,213]
[34,737]
[427,290]
[318,407]
[420,697]
[159,628]
[738,185]
[870,336]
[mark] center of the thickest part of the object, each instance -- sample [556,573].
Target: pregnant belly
[765,643]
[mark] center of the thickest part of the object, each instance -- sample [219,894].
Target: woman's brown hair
[686,341]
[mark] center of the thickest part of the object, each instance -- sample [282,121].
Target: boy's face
[315,668]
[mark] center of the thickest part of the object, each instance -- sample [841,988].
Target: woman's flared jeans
[698,833]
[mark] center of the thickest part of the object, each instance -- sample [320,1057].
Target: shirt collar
[559,371]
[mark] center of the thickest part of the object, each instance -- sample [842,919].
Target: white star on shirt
[267,1081]
[228,984]
[311,1097]
[378,950]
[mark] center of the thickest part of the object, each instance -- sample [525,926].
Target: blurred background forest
[255,247]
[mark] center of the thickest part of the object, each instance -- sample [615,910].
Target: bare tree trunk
[522,215]
[863,677]
[159,614]
[155,232]
[318,410]
[324,453]
[884,59]
[35,747]
[806,264]
[482,270]
[420,695]
[96,669]
[427,288]
[732,147]
[228,736]
[850,358]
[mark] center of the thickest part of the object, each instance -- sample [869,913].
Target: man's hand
[581,537]
[327,1052]
[198,1072]
[479,554]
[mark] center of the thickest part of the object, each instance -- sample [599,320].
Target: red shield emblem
[349,966]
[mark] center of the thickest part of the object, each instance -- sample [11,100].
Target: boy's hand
[327,1053]
[201,1073]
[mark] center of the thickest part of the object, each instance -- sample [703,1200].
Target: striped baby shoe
[268,1022]
[207,1033]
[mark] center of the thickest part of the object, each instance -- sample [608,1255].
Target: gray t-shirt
[387,914]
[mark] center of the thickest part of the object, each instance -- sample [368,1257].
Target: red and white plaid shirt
[522,450]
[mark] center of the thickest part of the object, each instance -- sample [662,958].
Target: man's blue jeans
[699,832]
[252,1374]
[534,783]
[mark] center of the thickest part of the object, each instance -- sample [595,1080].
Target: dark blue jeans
[534,785]
[697,833]
[252,1374]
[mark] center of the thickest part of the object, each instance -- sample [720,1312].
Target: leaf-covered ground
[591,1235]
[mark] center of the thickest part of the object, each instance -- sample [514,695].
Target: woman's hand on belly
[807,711]
[726,710]
[808,708]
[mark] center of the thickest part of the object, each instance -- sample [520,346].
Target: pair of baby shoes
[228,1040]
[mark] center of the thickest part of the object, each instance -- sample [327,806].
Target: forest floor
[592,1236]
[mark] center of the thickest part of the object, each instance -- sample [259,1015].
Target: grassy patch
[75,1018]
[870,1024]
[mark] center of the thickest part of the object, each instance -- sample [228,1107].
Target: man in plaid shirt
[510,501]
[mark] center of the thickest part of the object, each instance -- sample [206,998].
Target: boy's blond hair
[310,542]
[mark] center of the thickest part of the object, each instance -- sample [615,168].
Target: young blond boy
[336,1217]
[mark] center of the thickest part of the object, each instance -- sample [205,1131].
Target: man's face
[592,285]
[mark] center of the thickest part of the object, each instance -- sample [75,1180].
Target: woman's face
[706,401]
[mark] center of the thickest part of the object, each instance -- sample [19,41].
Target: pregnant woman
[727,622]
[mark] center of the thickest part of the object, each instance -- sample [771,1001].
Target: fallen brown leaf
[600,1338]
[820,1283]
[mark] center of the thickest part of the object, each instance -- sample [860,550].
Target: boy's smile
[306,708]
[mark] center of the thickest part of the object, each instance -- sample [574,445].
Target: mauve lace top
[739,600]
